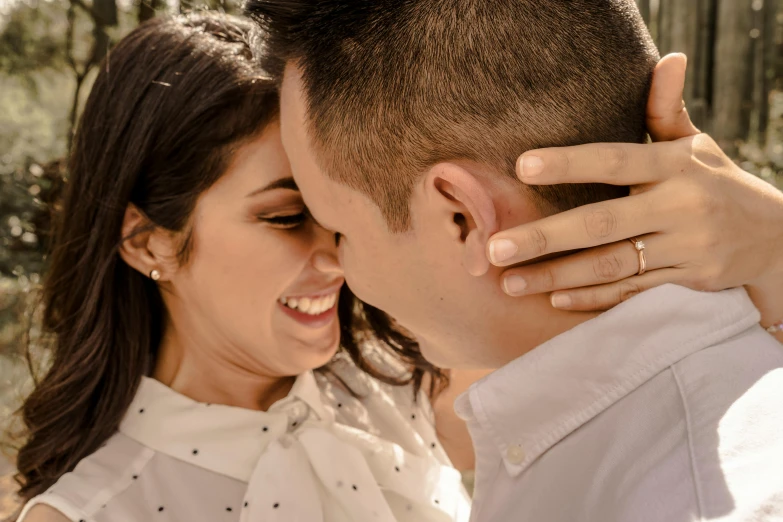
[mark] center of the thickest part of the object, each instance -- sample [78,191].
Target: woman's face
[260,285]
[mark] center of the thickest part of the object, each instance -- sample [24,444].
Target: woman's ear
[142,246]
[468,210]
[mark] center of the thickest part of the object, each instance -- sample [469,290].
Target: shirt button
[286,441]
[515,454]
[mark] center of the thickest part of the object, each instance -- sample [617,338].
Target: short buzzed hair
[395,86]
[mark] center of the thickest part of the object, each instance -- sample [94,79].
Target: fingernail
[514,285]
[561,300]
[501,250]
[531,166]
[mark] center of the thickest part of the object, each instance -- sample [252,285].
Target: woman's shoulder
[73,496]
[44,513]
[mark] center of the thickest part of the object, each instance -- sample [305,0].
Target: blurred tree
[732,80]
[148,9]
[644,8]
[187,5]
[32,40]
[676,21]
[103,14]
[767,54]
[734,63]
[28,196]
[702,64]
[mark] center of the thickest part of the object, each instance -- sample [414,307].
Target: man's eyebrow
[282,183]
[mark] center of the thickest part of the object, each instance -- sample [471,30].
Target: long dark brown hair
[171,103]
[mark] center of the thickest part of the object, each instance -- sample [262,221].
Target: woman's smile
[314,310]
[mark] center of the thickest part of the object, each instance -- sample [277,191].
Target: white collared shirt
[323,454]
[668,408]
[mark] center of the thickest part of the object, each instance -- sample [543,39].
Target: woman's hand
[706,223]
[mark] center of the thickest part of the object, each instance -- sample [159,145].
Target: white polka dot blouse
[340,447]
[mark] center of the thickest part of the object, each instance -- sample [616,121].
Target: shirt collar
[306,390]
[529,405]
[224,439]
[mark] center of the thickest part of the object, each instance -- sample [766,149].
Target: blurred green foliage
[33,40]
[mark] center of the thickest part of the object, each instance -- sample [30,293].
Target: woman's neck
[199,372]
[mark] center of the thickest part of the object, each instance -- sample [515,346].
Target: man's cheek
[363,281]
[355,276]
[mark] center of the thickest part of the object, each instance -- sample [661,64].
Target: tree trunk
[683,39]
[758,121]
[664,23]
[774,126]
[106,11]
[701,65]
[105,16]
[777,49]
[686,27]
[732,73]
[147,9]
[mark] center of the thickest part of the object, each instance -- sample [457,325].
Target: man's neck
[514,338]
[524,323]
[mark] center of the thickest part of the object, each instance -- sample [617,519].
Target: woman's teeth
[310,306]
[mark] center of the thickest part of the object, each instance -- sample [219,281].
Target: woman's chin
[318,353]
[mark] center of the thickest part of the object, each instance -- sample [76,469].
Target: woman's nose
[325,257]
[327,263]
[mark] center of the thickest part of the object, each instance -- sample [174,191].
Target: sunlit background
[50,50]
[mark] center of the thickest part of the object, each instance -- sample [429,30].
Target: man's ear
[467,209]
[144,246]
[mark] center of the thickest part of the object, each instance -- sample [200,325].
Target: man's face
[418,276]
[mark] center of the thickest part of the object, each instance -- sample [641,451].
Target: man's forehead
[292,108]
[327,199]
[292,95]
[306,172]
[293,127]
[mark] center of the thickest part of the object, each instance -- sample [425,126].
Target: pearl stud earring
[154,275]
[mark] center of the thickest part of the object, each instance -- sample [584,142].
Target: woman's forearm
[768,298]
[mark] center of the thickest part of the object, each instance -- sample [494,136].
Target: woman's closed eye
[285,220]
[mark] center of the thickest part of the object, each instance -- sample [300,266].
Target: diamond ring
[638,244]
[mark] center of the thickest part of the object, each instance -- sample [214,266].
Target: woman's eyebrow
[282,183]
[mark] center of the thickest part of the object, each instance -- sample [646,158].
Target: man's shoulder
[731,398]
[706,434]
[749,365]
[702,438]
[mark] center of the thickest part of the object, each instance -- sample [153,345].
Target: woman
[225,293]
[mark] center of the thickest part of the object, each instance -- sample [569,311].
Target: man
[402,121]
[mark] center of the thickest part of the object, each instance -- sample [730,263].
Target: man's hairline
[318,148]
